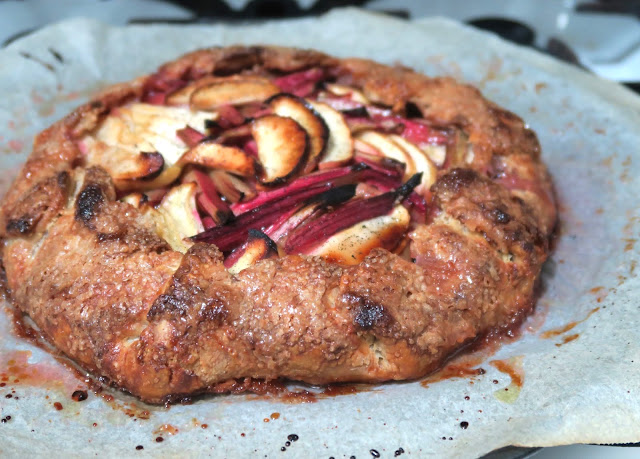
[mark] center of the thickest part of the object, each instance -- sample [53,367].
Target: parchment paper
[584,391]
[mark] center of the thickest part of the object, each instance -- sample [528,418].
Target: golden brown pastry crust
[112,295]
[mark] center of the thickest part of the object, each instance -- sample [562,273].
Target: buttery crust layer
[112,295]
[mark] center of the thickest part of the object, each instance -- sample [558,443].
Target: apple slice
[232,92]
[165,178]
[421,160]
[388,148]
[305,115]
[135,199]
[177,216]
[339,148]
[124,164]
[283,148]
[182,95]
[258,247]
[436,153]
[346,91]
[351,246]
[216,156]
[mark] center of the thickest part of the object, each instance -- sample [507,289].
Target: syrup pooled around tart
[261,167]
[261,213]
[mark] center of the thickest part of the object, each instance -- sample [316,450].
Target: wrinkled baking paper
[581,386]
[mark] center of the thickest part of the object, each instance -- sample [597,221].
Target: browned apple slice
[421,160]
[352,245]
[124,163]
[388,148]
[283,147]
[232,92]
[306,116]
[183,95]
[339,149]
[216,156]
[165,178]
[258,247]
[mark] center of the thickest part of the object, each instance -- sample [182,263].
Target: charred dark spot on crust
[19,226]
[97,104]
[456,180]
[368,314]
[40,203]
[192,296]
[411,110]
[167,303]
[88,203]
[214,311]
[63,180]
[527,247]
[499,216]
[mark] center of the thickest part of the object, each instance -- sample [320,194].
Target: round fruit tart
[258,213]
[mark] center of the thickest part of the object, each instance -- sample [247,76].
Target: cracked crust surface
[109,292]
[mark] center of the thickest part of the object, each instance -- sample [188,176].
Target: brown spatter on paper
[571,325]
[568,339]
[512,367]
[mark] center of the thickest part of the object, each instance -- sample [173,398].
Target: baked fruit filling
[265,165]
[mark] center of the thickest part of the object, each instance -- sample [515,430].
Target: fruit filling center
[263,166]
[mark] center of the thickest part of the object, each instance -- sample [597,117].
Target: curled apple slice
[258,247]
[232,92]
[346,91]
[216,156]
[125,164]
[421,160]
[388,148]
[283,147]
[306,116]
[165,178]
[351,246]
[177,216]
[182,95]
[339,148]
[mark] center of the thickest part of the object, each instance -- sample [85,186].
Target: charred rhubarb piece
[314,232]
[323,180]
[283,148]
[231,235]
[258,247]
